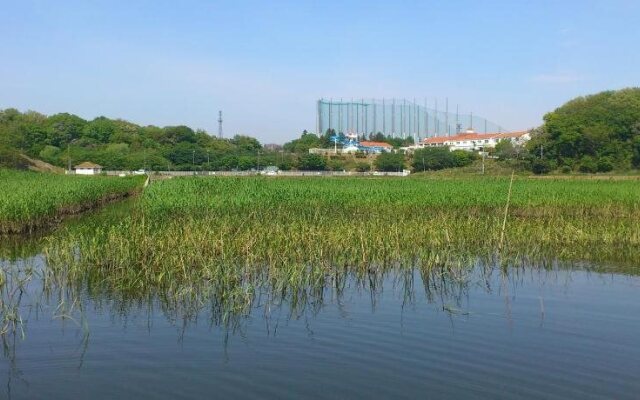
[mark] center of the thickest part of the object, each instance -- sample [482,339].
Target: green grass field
[31,200]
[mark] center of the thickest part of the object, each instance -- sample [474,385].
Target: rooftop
[473,136]
[87,165]
[374,144]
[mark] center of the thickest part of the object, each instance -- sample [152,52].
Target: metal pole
[365,118]
[418,119]
[426,119]
[436,120]
[357,120]
[375,106]
[330,104]
[340,117]
[319,115]
[393,118]
[446,116]
[384,118]
[402,117]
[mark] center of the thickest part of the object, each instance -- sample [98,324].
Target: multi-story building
[471,141]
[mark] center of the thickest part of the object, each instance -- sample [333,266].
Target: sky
[266,63]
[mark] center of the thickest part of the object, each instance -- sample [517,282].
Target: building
[351,145]
[88,168]
[375,147]
[368,147]
[471,141]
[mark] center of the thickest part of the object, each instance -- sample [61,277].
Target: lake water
[528,332]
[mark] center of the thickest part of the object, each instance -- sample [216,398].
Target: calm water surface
[526,332]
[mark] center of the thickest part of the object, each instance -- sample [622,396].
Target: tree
[432,158]
[63,128]
[363,167]
[246,144]
[303,144]
[540,166]
[390,162]
[312,162]
[505,150]
[336,165]
[605,124]
[462,158]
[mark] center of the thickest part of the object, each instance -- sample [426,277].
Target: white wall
[87,171]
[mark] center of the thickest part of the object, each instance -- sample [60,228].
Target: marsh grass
[31,201]
[226,243]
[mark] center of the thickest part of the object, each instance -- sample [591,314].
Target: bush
[363,167]
[588,165]
[435,158]
[390,162]
[336,165]
[540,167]
[605,164]
[463,158]
[565,169]
[312,162]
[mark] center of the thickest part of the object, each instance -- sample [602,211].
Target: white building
[471,141]
[88,168]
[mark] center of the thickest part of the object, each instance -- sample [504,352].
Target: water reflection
[397,301]
[460,327]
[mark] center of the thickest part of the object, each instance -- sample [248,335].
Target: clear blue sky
[265,63]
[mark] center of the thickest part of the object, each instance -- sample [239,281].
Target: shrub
[540,167]
[605,164]
[312,162]
[588,165]
[389,162]
[363,167]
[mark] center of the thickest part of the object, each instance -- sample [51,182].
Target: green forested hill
[595,133]
[118,144]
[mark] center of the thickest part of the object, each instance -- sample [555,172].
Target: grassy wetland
[233,235]
[260,257]
[30,201]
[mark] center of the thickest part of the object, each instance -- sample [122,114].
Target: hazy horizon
[265,65]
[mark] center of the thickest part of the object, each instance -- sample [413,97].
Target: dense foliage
[64,139]
[390,162]
[435,158]
[596,133]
